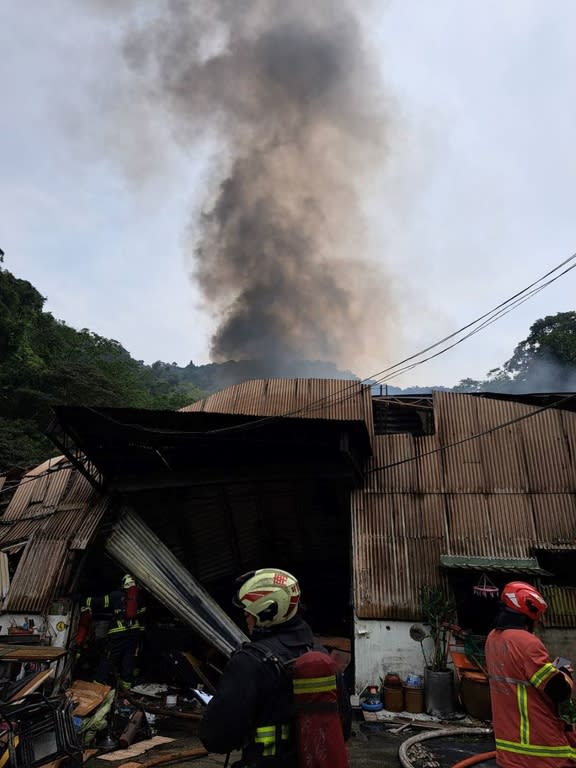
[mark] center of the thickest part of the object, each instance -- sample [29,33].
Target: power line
[489,431]
[409,363]
[485,320]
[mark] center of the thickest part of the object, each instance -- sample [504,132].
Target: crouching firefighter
[526,687]
[280,699]
[125,631]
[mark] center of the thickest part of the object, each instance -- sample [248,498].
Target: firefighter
[125,631]
[526,687]
[253,708]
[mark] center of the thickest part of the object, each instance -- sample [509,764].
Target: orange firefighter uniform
[525,688]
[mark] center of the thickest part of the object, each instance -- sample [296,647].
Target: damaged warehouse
[357,494]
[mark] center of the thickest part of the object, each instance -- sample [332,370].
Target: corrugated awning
[499,564]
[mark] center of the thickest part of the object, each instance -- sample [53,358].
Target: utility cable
[488,317]
[557,404]
[355,387]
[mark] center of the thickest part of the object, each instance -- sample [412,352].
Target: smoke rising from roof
[293,99]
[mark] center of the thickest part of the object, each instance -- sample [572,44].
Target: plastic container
[413,699]
[394,699]
[171,701]
[414,681]
[372,702]
[392,680]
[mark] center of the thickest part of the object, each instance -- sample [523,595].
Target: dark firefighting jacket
[253,708]
[113,606]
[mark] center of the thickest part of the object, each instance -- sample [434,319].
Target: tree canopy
[44,362]
[545,361]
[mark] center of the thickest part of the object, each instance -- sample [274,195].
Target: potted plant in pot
[438,611]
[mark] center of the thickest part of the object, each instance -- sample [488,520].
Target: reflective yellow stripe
[522,695]
[314,684]
[106,601]
[122,627]
[266,735]
[4,757]
[541,675]
[536,750]
[88,601]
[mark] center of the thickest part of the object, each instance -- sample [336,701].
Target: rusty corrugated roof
[497,496]
[304,398]
[37,577]
[54,509]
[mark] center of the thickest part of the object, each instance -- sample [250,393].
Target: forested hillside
[44,362]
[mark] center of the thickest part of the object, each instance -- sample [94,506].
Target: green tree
[552,340]
[545,361]
[44,362]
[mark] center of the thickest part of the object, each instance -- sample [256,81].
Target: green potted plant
[439,611]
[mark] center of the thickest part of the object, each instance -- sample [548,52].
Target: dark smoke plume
[290,94]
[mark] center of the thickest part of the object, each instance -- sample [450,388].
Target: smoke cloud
[290,95]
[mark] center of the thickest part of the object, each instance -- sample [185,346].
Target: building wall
[501,495]
[559,642]
[384,646]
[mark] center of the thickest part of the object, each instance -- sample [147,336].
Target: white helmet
[128,581]
[270,595]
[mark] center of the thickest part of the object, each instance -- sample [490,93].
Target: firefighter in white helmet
[125,610]
[253,706]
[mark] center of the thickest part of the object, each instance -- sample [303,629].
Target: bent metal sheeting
[53,511]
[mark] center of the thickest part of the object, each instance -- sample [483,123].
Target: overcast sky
[477,196]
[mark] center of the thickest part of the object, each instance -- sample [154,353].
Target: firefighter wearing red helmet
[253,709]
[526,687]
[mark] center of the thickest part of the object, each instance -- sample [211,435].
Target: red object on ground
[318,727]
[481,758]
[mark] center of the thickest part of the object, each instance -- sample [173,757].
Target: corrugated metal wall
[55,510]
[499,495]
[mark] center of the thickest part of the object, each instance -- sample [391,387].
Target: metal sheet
[55,510]
[37,577]
[456,418]
[140,551]
[304,398]
[561,607]
[500,495]
[397,541]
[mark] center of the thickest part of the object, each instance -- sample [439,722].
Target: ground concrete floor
[372,745]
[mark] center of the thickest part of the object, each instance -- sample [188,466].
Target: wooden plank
[31,653]
[86,696]
[33,684]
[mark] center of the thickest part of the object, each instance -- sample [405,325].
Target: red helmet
[523,598]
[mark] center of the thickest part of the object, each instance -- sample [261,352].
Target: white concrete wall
[385,646]
[54,627]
